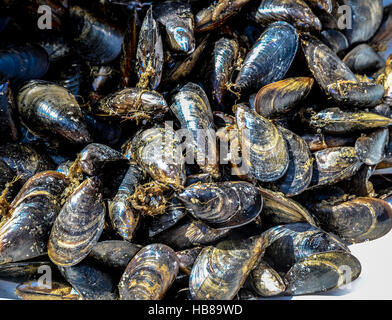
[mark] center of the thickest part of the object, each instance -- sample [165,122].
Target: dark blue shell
[24,62]
[270,57]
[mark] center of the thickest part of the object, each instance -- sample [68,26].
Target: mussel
[149,274]
[25,230]
[78,226]
[223,205]
[48,110]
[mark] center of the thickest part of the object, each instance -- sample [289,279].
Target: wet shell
[24,160]
[371,149]
[280,210]
[149,274]
[363,60]
[224,204]
[356,221]
[191,233]
[183,68]
[149,54]
[25,231]
[225,55]
[217,14]
[366,19]
[280,97]
[23,63]
[48,109]
[90,281]
[178,20]
[134,104]
[295,12]
[158,151]
[335,40]
[335,78]
[114,254]
[333,165]
[123,217]
[8,130]
[317,142]
[187,258]
[94,39]
[34,290]
[175,211]
[193,110]
[299,173]
[321,272]
[96,157]
[78,226]
[220,271]
[292,243]
[326,5]
[25,270]
[270,57]
[335,121]
[264,150]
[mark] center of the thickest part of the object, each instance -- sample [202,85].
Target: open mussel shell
[220,271]
[291,243]
[90,281]
[265,281]
[134,104]
[149,274]
[277,98]
[295,12]
[264,150]
[123,217]
[79,225]
[372,149]
[366,19]
[34,290]
[114,254]
[25,230]
[48,109]
[270,57]
[357,220]
[300,170]
[278,210]
[224,204]
[158,151]
[191,233]
[94,39]
[336,121]
[149,53]
[321,272]
[178,20]
[333,165]
[192,108]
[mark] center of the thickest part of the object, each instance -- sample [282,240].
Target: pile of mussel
[184,149]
